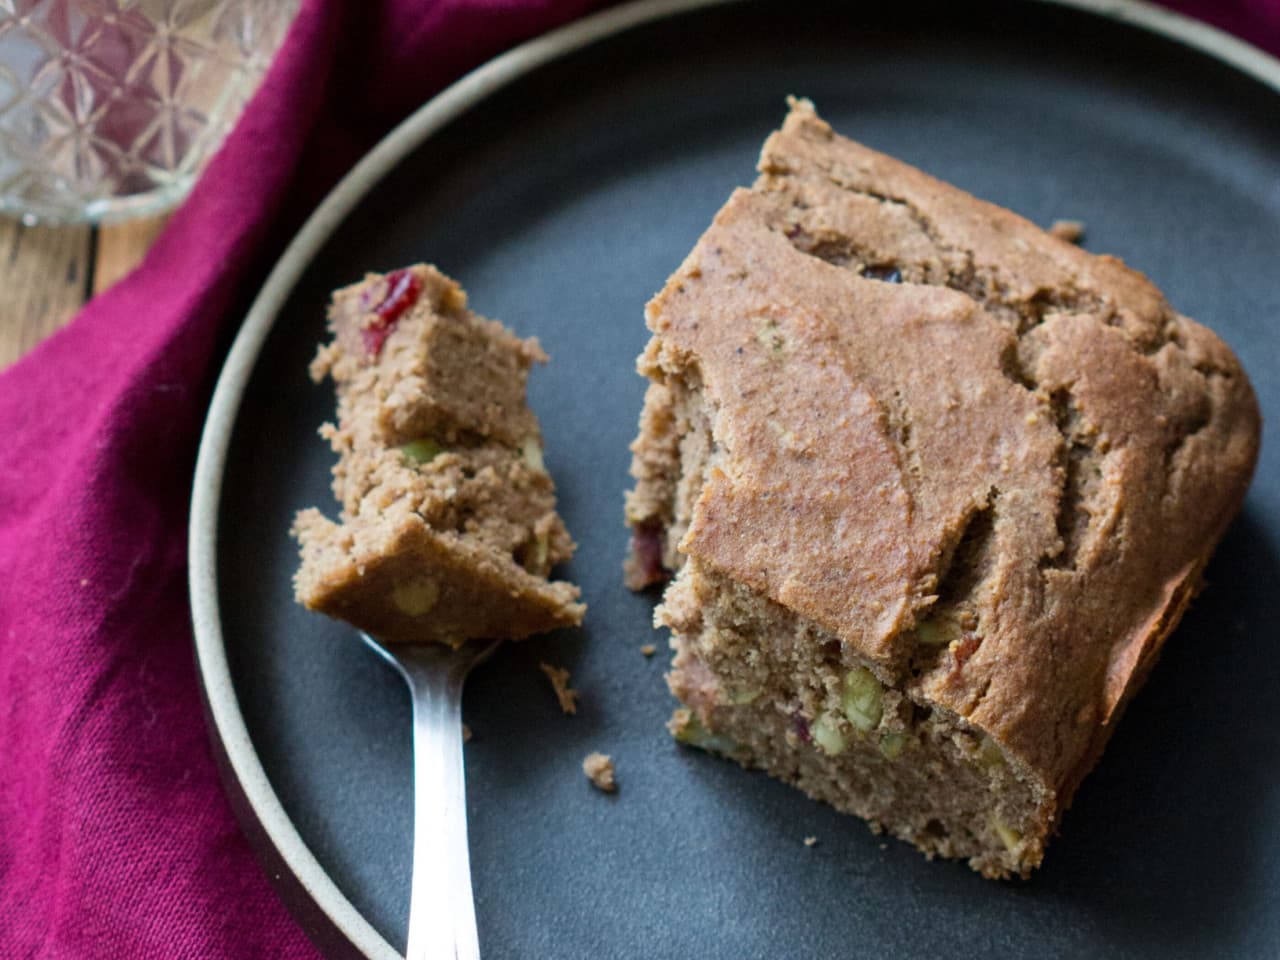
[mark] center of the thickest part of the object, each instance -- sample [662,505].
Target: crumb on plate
[1071,231]
[559,678]
[599,770]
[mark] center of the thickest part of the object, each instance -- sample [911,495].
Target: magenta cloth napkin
[115,838]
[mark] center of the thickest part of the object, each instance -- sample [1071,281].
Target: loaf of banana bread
[932,488]
[448,528]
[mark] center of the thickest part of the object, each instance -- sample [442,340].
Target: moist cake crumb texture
[930,486]
[448,528]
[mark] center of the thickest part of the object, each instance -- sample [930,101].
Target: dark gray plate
[562,201]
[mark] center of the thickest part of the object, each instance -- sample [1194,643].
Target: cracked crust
[448,529]
[898,413]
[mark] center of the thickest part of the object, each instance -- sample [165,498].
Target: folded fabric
[115,838]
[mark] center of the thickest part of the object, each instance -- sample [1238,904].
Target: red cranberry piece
[801,726]
[886,274]
[403,288]
[646,555]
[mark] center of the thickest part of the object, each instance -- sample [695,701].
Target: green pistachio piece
[769,337]
[827,735]
[938,632]
[422,451]
[990,755]
[687,728]
[415,597]
[541,547]
[531,451]
[1010,837]
[892,744]
[863,699]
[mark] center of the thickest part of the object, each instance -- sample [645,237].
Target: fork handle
[442,914]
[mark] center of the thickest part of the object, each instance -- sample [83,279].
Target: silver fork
[442,912]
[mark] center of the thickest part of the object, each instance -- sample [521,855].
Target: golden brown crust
[925,408]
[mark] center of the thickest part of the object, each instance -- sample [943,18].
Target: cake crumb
[559,678]
[466,734]
[1071,231]
[810,841]
[599,770]
[648,649]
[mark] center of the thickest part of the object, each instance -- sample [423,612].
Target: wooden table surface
[47,273]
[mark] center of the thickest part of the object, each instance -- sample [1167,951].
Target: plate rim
[323,910]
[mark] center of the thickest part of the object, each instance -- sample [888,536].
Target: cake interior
[448,528]
[770,690]
[773,691]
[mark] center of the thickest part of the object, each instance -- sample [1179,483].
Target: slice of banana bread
[934,487]
[448,527]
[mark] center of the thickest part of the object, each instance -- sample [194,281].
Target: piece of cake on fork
[448,529]
[933,487]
